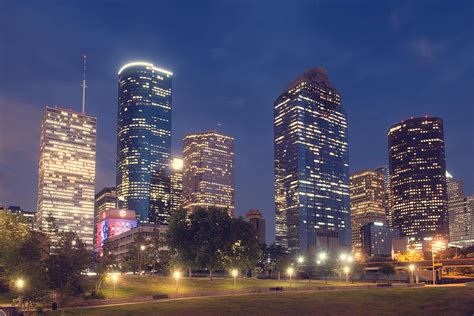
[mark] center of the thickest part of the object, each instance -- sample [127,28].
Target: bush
[94,296]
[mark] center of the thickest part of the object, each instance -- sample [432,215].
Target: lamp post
[142,248]
[290,271]
[439,245]
[300,261]
[411,267]
[114,277]
[20,284]
[234,274]
[346,271]
[177,275]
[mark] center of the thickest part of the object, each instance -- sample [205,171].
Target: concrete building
[208,176]
[113,222]
[255,218]
[377,238]
[66,181]
[30,216]
[367,202]
[104,200]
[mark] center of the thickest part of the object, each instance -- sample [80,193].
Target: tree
[278,259]
[14,232]
[158,254]
[104,264]
[388,269]
[326,267]
[136,258]
[69,258]
[181,241]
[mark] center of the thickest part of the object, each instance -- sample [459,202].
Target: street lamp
[411,267]
[234,274]
[74,242]
[142,248]
[177,275]
[300,259]
[20,284]
[290,271]
[323,256]
[114,277]
[346,271]
[439,245]
[342,257]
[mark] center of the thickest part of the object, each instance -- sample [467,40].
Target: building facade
[418,178]
[30,216]
[113,222]
[385,170]
[377,238]
[144,141]
[176,184]
[461,214]
[208,175]
[367,202]
[311,164]
[66,181]
[104,200]
[255,218]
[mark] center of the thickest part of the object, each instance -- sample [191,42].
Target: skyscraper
[67,173]
[176,184]
[367,202]
[104,200]
[256,219]
[461,213]
[418,178]
[144,141]
[208,176]
[311,164]
[385,170]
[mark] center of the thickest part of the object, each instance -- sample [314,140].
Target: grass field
[134,286]
[416,301]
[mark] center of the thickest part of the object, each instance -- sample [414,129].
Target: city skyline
[254,187]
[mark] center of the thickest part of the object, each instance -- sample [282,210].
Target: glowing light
[234,273]
[290,271]
[177,164]
[177,275]
[143,63]
[20,283]
[142,247]
[411,267]
[114,277]
[342,257]
[300,259]
[347,270]
[323,256]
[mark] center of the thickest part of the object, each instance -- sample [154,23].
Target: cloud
[424,49]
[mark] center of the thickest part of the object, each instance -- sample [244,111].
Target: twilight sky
[231,60]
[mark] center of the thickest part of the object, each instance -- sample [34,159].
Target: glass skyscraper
[418,178]
[144,141]
[66,180]
[311,165]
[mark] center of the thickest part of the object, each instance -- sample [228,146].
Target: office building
[255,218]
[144,141]
[30,216]
[208,175]
[176,184]
[104,200]
[119,245]
[461,214]
[377,238]
[418,178]
[385,170]
[311,165]
[367,202]
[66,180]
[113,222]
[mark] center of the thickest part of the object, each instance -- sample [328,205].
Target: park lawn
[136,286]
[411,301]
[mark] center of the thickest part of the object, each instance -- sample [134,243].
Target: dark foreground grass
[417,301]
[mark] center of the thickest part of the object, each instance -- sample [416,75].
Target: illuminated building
[176,184]
[311,165]
[417,178]
[30,216]
[208,175]
[113,222]
[461,214]
[144,141]
[104,200]
[377,238]
[385,170]
[67,173]
[255,218]
[119,245]
[367,202]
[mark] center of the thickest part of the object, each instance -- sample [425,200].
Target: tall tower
[385,170]
[418,178]
[367,202]
[208,176]
[461,213]
[311,164]
[104,200]
[176,184]
[144,141]
[67,173]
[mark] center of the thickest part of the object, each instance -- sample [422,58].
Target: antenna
[84,86]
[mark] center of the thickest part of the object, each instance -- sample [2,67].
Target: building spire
[84,86]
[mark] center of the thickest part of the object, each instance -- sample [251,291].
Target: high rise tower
[208,176]
[144,141]
[67,173]
[418,178]
[311,165]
